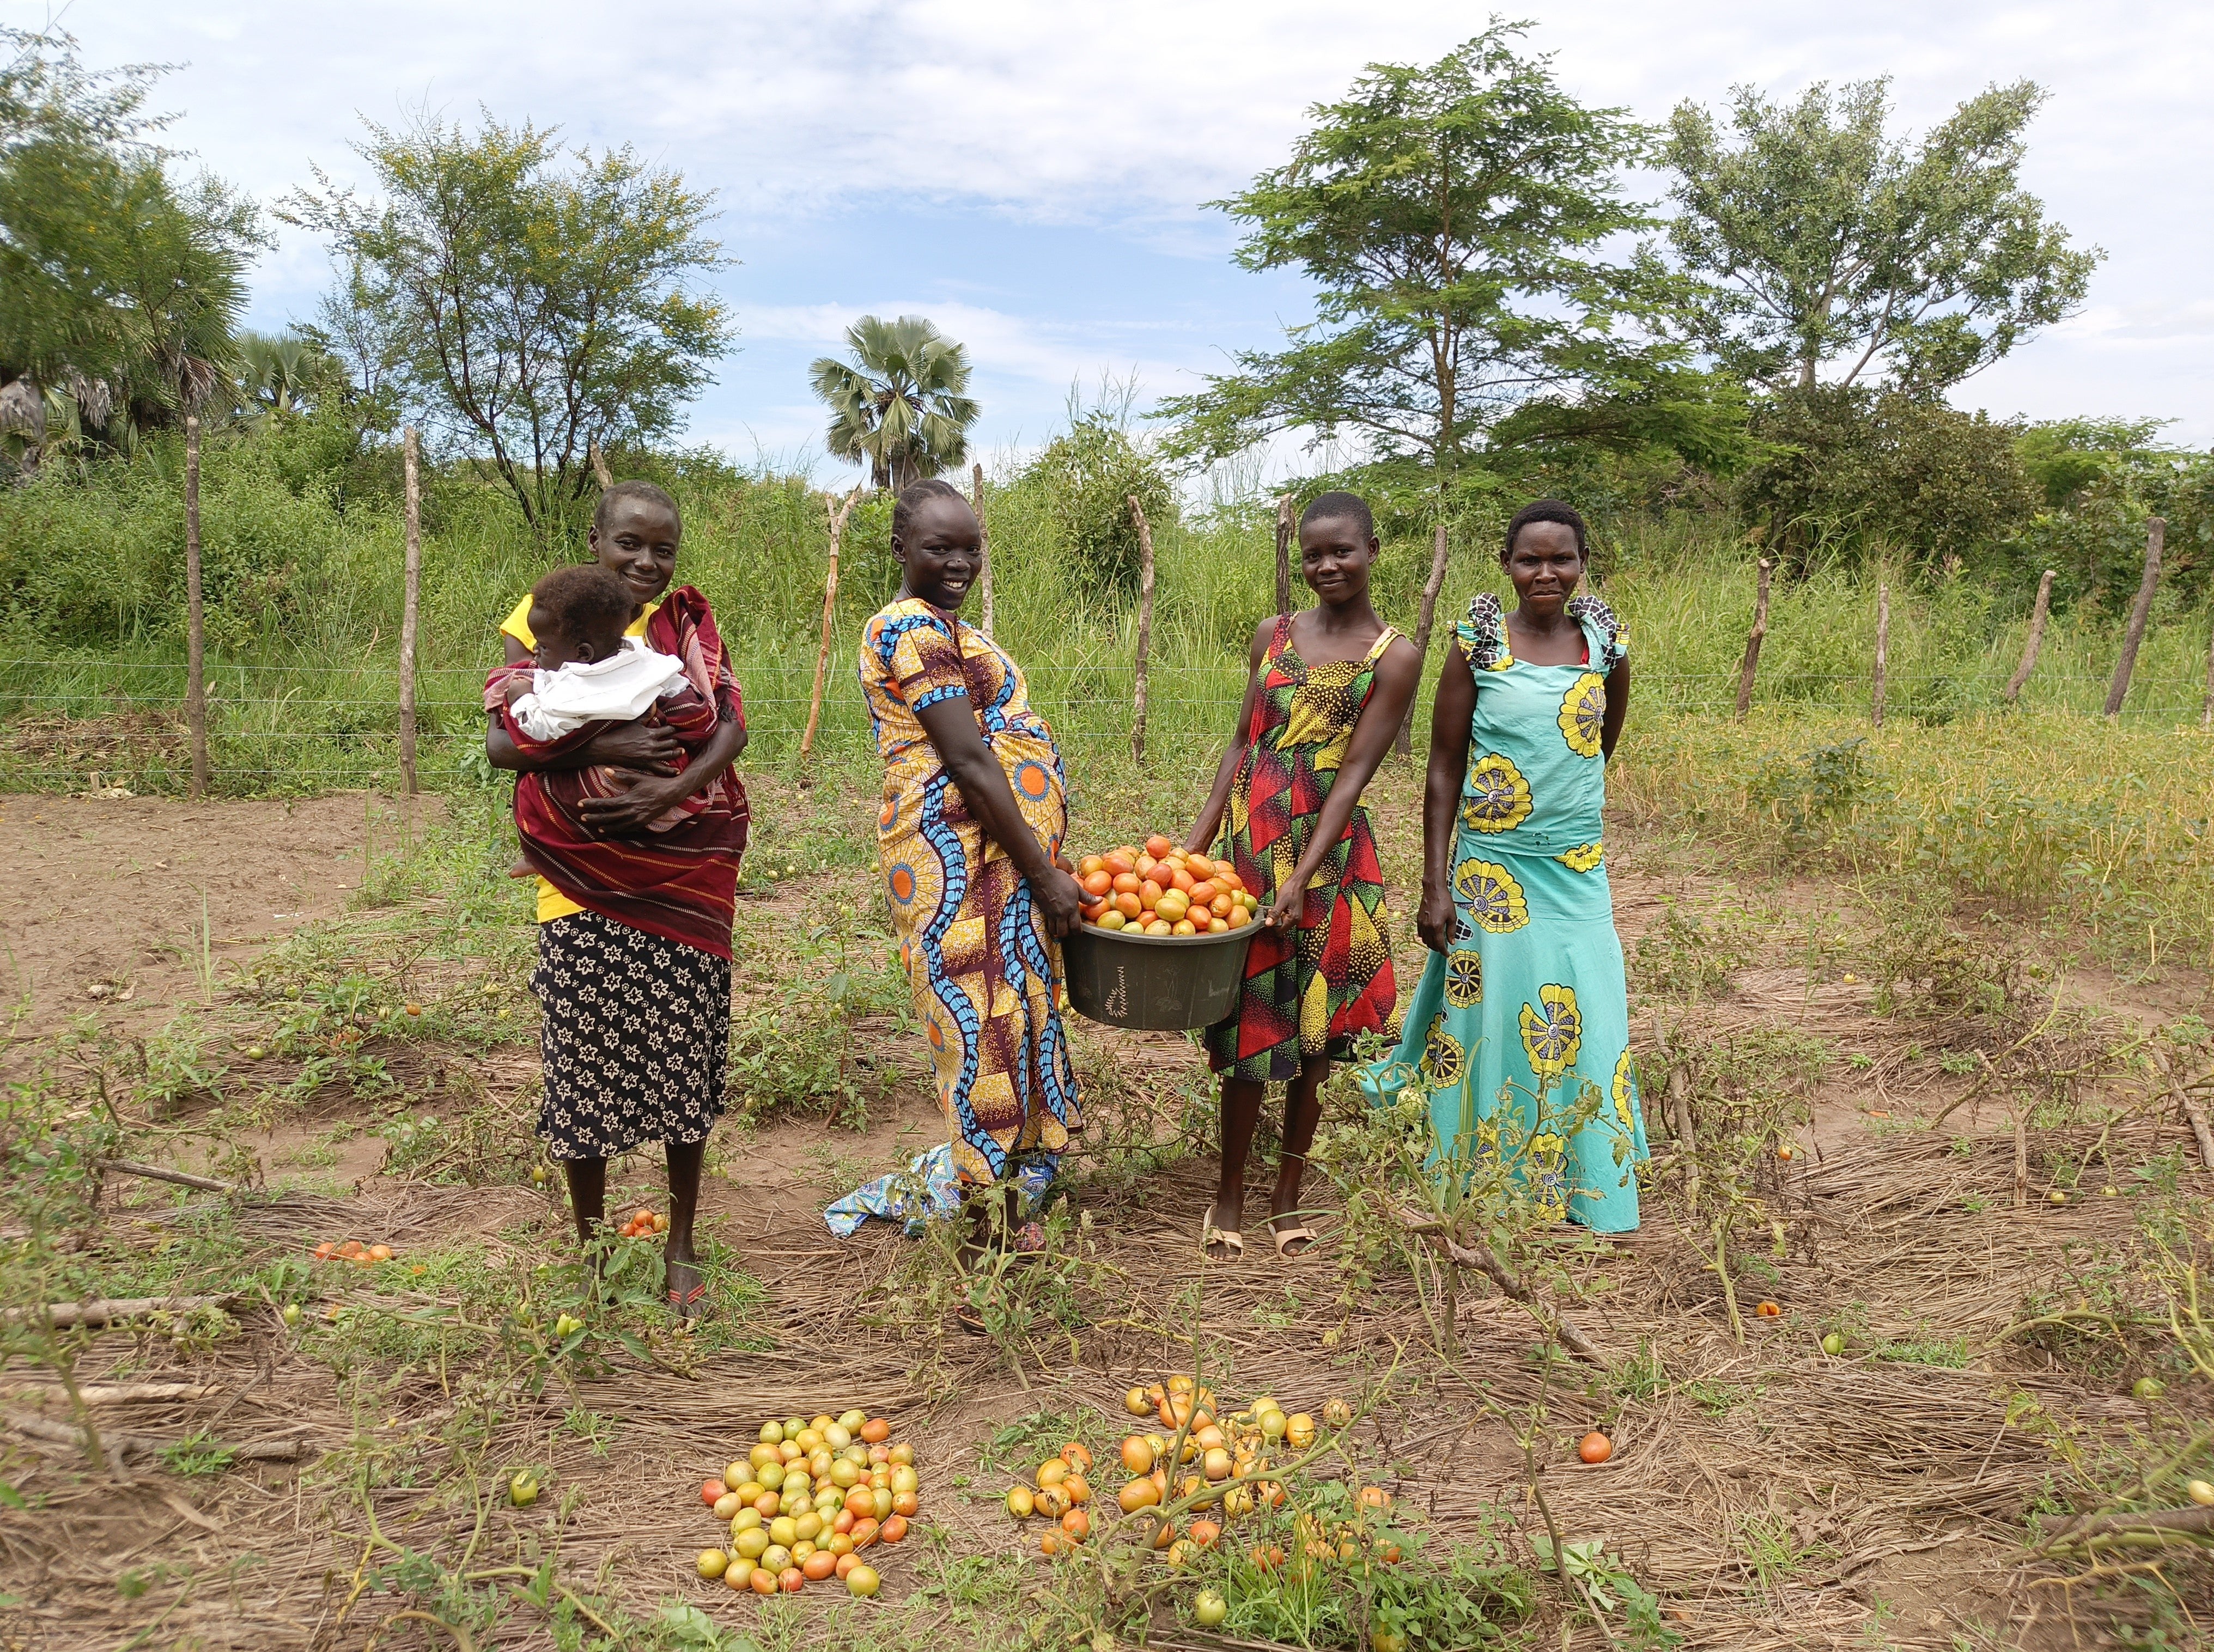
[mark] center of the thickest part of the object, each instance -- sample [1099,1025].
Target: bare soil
[1894,1490]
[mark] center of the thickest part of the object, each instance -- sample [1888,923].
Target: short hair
[634,490]
[586,601]
[1341,506]
[1549,511]
[915,495]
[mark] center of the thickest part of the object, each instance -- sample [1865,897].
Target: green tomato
[1833,1345]
[522,1490]
[1209,1609]
[2148,1388]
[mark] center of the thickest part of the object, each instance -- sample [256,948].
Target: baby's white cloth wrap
[612,690]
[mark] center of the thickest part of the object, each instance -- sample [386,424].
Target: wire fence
[92,724]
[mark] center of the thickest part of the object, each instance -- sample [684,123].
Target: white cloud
[1127,116]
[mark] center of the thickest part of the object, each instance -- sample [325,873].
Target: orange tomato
[1051,1543]
[1137,1455]
[842,1522]
[1098,882]
[325,1250]
[1204,1533]
[644,1216]
[1077,1489]
[1596,1447]
[875,1431]
[846,1563]
[1200,864]
[1090,864]
[791,1579]
[861,1503]
[1121,863]
[1769,1311]
[1140,1493]
[1182,879]
[1157,846]
[1239,918]
[865,1532]
[1150,893]
[1127,904]
[1203,892]
[1077,1524]
[1076,1455]
[1164,1534]
[764,1581]
[904,1503]
[893,1529]
[713,1492]
[819,1565]
[766,1505]
[1124,882]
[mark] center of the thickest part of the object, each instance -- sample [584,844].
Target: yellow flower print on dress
[1498,797]
[1443,1058]
[1626,1091]
[1583,857]
[1464,980]
[1493,898]
[1551,1037]
[1583,711]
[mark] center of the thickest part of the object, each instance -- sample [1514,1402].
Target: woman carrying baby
[618,713]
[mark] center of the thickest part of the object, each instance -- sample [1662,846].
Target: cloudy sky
[1030,175]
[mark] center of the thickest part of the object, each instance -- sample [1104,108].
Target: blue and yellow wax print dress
[985,976]
[1530,1003]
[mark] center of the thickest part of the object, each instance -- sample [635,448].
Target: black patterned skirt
[636,1034]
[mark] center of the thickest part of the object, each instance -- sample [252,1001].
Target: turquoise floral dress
[1529,1005]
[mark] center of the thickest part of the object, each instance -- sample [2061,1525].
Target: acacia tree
[529,301]
[1452,217]
[901,405]
[1832,250]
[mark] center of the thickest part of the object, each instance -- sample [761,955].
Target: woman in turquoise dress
[1523,1003]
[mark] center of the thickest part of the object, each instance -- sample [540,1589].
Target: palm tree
[899,403]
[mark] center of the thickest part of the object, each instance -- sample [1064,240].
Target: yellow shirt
[551,903]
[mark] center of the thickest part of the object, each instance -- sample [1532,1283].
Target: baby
[585,672]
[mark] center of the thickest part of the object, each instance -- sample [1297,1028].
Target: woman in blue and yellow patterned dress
[974,813]
[1523,1000]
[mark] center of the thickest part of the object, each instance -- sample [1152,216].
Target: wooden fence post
[410,606]
[2206,716]
[2037,615]
[1753,639]
[195,632]
[1424,615]
[983,544]
[1284,554]
[1145,627]
[2155,536]
[837,514]
[1882,651]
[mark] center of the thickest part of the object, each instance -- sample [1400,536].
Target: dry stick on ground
[60,1434]
[2194,1113]
[1439,551]
[2021,1156]
[2132,1528]
[1284,554]
[2155,535]
[1882,651]
[2037,615]
[837,514]
[983,545]
[1491,1268]
[127,1393]
[107,1310]
[195,631]
[1145,627]
[161,1173]
[410,603]
[1753,640]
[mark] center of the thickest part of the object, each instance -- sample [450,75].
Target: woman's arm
[1397,675]
[1202,835]
[1618,707]
[951,725]
[1449,725]
[649,794]
[646,747]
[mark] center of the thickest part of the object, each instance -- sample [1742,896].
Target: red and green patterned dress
[1310,992]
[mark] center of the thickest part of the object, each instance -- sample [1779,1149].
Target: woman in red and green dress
[1329,689]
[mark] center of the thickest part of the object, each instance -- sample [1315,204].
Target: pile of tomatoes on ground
[807,1500]
[353,1251]
[1216,1466]
[1162,889]
[643,1224]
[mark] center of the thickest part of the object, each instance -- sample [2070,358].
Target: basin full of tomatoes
[1159,889]
[807,1501]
